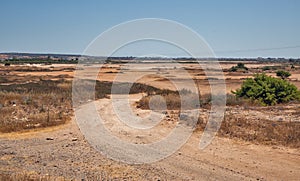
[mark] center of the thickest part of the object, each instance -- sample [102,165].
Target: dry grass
[234,125]
[49,103]
[232,100]
[6,79]
[25,68]
[184,99]
[188,100]
[260,131]
[34,105]
[25,176]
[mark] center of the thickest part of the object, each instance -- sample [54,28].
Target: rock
[37,125]
[74,139]
[49,138]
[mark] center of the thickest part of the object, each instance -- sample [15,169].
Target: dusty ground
[158,75]
[63,153]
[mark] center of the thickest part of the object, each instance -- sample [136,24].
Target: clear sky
[233,28]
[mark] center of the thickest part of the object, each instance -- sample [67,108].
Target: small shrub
[276,67]
[185,91]
[183,99]
[239,66]
[283,74]
[268,90]
[293,67]
[232,100]
[265,68]
[233,69]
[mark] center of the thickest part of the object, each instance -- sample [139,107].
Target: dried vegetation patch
[34,105]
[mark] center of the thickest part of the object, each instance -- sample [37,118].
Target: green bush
[268,90]
[266,68]
[283,74]
[239,66]
[233,69]
[275,67]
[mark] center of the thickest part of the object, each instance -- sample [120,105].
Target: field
[40,139]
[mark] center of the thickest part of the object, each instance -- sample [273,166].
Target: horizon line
[126,56]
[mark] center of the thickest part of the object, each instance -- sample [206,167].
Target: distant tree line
[38,61]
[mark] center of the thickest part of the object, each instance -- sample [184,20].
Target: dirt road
[63,152]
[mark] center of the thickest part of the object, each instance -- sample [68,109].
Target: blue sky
[233,28]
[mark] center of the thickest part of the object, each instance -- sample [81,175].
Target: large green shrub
[268,90]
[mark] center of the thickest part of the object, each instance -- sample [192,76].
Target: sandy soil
[158,75]
[63,151]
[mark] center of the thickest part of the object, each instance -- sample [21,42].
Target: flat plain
[40,140]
